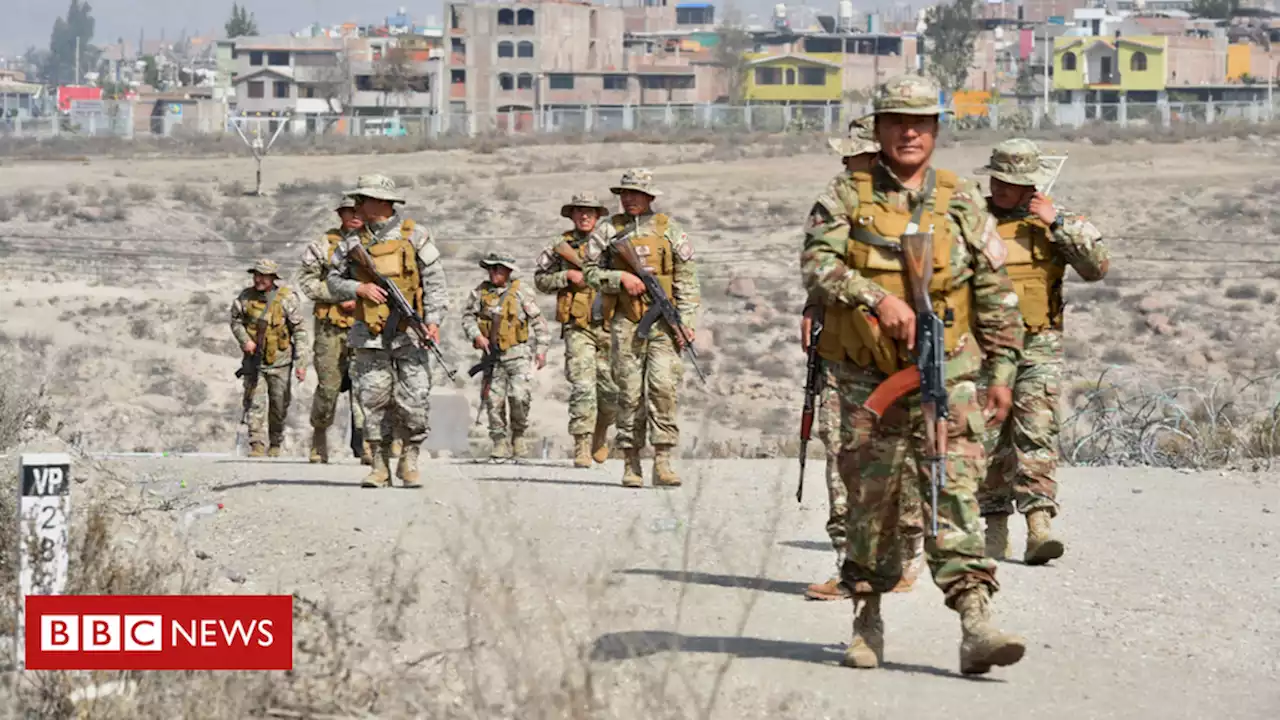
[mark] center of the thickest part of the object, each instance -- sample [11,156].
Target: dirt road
[1164,606]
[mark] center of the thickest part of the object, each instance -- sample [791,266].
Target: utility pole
[1048,58]
[76,81]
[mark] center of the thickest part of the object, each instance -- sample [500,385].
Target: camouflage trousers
[332,357]
[591,387]
[269,406]
[879,464]
[1024,451]
[649,371]
[395,391]
[510,394]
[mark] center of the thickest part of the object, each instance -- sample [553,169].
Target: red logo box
[159,632]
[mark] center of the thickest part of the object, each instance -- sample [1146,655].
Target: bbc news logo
[159,632]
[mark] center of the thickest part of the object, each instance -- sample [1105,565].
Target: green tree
[1215,9]
[731,55]
[950,31]
[60,65]
[242,22]
[151,71]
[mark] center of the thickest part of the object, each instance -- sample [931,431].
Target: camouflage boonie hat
[583,200]
[907,95]
[861,139]
[494,258]
[1017,162]
[266,266]
[376,186]
[348,203]
[638,179]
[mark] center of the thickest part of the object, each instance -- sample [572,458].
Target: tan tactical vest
[278,340]
[574,306]
[874,250]
[1036,277]
[656,253]
[330,312]
[397,261]
[513,329]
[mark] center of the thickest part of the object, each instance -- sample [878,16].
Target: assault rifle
[251,363]
[660,304]
[812,386]
[488,363]
[929,372]
[569,255]
[401,309]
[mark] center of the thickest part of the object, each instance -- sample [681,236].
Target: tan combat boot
[397,447]
[519,446]
[599,440]
[380,475]
[832,589]
[257,450]
[366,454]
[582,451]
[1041,545]
[998,547]
[273,451]
[501,450]
[866,650]
[632,474]
[663,474]
[407,468]
[319,446]
[983,645]
[912,563]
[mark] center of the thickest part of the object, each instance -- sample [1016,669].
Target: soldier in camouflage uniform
[645,368]
[580,311]
[858,152]
[501,310]
[279,308]
[333,323]
[852,263]
[1042,241]
[391,375]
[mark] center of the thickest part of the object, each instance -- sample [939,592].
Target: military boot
[632,474]
[519,445]
[832,589]
[982,645]
[380,475]
[998,547]
[257,450]
[366,454]
[1041,545]
[319,446]
[501,450]
[273,451]
[866,650]
[407,467]
[599,440]
[397,447]
[663,474]
[582,451]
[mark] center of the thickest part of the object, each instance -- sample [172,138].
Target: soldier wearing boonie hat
[502,315]
[583,327]
[391,372]
[852,263]
[1042,241]
[859,147]
[278,309]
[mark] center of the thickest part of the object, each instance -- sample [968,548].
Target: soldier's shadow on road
[298,482]
[807,545]
[643,643]
[785,587]
[552,481]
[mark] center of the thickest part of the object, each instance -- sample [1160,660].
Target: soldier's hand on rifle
[999,401]
[806,327]
[371,292]
[348,306]
[540,361]
[433,332]
[1042,207]
[897,320]
[250,347]
[632,284]
[576,280]
[684,339]
[301,374]
[481,343]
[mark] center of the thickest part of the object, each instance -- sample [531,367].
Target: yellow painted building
[1100,63]
[793,78]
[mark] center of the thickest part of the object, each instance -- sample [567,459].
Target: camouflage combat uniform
[331,327]
[593,396]
[851,262]
[510,317]
[1024,451]
[645,368]
[393,380]
[286,332]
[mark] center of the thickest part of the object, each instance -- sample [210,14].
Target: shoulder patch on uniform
[594,249]
[684,249]
[819,215]
[993,245]
[544,260]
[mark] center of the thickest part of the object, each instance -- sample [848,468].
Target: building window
[768,76]
[615,82]
[682,82]
[307,91]
[506,49]
[524,81]
[813,76]
[791,76]
[524,17]
[524,49]
[457,77]
[281,89]
[364,83]
[1138,62]
[506,82]
[278,59]
[506,16]
[457,45]
[1069,61]
[560,82]
[255,57]
[256,89]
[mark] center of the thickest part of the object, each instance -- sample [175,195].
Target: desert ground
[537,590]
